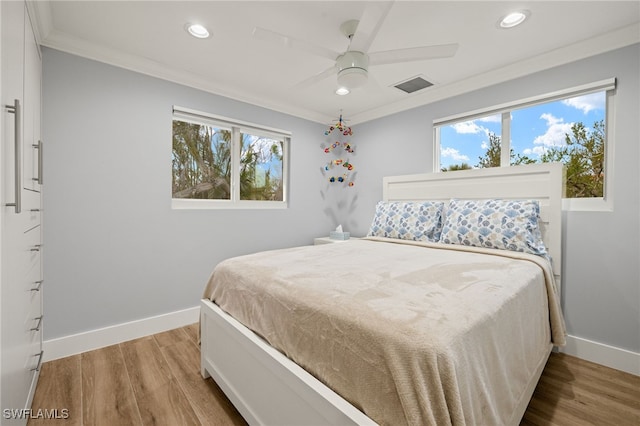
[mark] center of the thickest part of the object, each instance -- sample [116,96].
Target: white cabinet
[21,311]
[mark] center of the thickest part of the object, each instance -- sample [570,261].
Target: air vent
[413,85]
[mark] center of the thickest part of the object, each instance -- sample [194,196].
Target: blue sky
[532,129]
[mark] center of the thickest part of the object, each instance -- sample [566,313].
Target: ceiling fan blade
[316,78]
[369,25]
[413,54]
[293,43]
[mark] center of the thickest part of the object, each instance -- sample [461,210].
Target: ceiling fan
[352,66]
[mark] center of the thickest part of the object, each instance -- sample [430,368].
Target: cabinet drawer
[33,363]
[32,219]
[32,232]
[31,215]
[32,264]
[33,327]
[34,309]
[31,206]
[35,334]
[31,253]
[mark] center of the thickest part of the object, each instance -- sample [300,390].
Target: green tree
[517,159]
[583,157]
[261,168]
[201,160]
[454,167]
[491,157]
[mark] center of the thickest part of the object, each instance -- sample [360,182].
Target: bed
[402,327]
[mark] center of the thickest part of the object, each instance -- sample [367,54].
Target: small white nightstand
[327,240]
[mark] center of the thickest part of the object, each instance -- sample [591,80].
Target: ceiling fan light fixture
[352,69]
[513,19]
[341,91]
[352,78]
[197,30]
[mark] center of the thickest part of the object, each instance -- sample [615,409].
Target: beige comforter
[409,333]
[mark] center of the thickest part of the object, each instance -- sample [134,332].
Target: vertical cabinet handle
[15,110]
[38,285]
[37,327]
[38,146]
[37,367]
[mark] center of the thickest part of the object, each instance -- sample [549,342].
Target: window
[568,126]
[222,163]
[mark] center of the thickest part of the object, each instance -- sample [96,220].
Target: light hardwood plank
[171,337]
[59,388]
[579,398]
[615,384]
[208,401]
[576,392]
[107,396]
[193,330]
[159,396]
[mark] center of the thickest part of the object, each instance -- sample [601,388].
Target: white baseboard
[609,356]
[96,339]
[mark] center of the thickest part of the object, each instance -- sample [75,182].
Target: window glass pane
[471,144]
[570,131]
[261,167]
[201,161]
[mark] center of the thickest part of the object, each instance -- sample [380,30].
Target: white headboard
[543,182]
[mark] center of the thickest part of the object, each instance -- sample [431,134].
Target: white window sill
[191,204]
[587,204]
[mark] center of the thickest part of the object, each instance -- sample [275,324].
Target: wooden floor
[156,380]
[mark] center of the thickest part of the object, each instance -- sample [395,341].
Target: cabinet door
[31,110]
[12,89]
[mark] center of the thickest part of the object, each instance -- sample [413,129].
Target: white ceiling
[149,37]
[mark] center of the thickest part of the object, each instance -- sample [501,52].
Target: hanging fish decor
[342,131]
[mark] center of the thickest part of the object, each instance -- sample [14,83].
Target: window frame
[237,127]
[604,203]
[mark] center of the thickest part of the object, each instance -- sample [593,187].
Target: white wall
[115,251]
[601,282]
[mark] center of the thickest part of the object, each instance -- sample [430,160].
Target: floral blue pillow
[417,221]
[500,224]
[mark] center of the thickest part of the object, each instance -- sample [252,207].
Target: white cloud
[496,118]
[550,119]
[466,127]
[554,136]
[453,153]
[537,150]
[469,127]
[472,126]
[587,103]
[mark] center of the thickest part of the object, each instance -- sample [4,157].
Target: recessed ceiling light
[342,91]
[197,30]
[513,19]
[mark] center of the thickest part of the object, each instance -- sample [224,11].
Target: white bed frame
[268,388]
